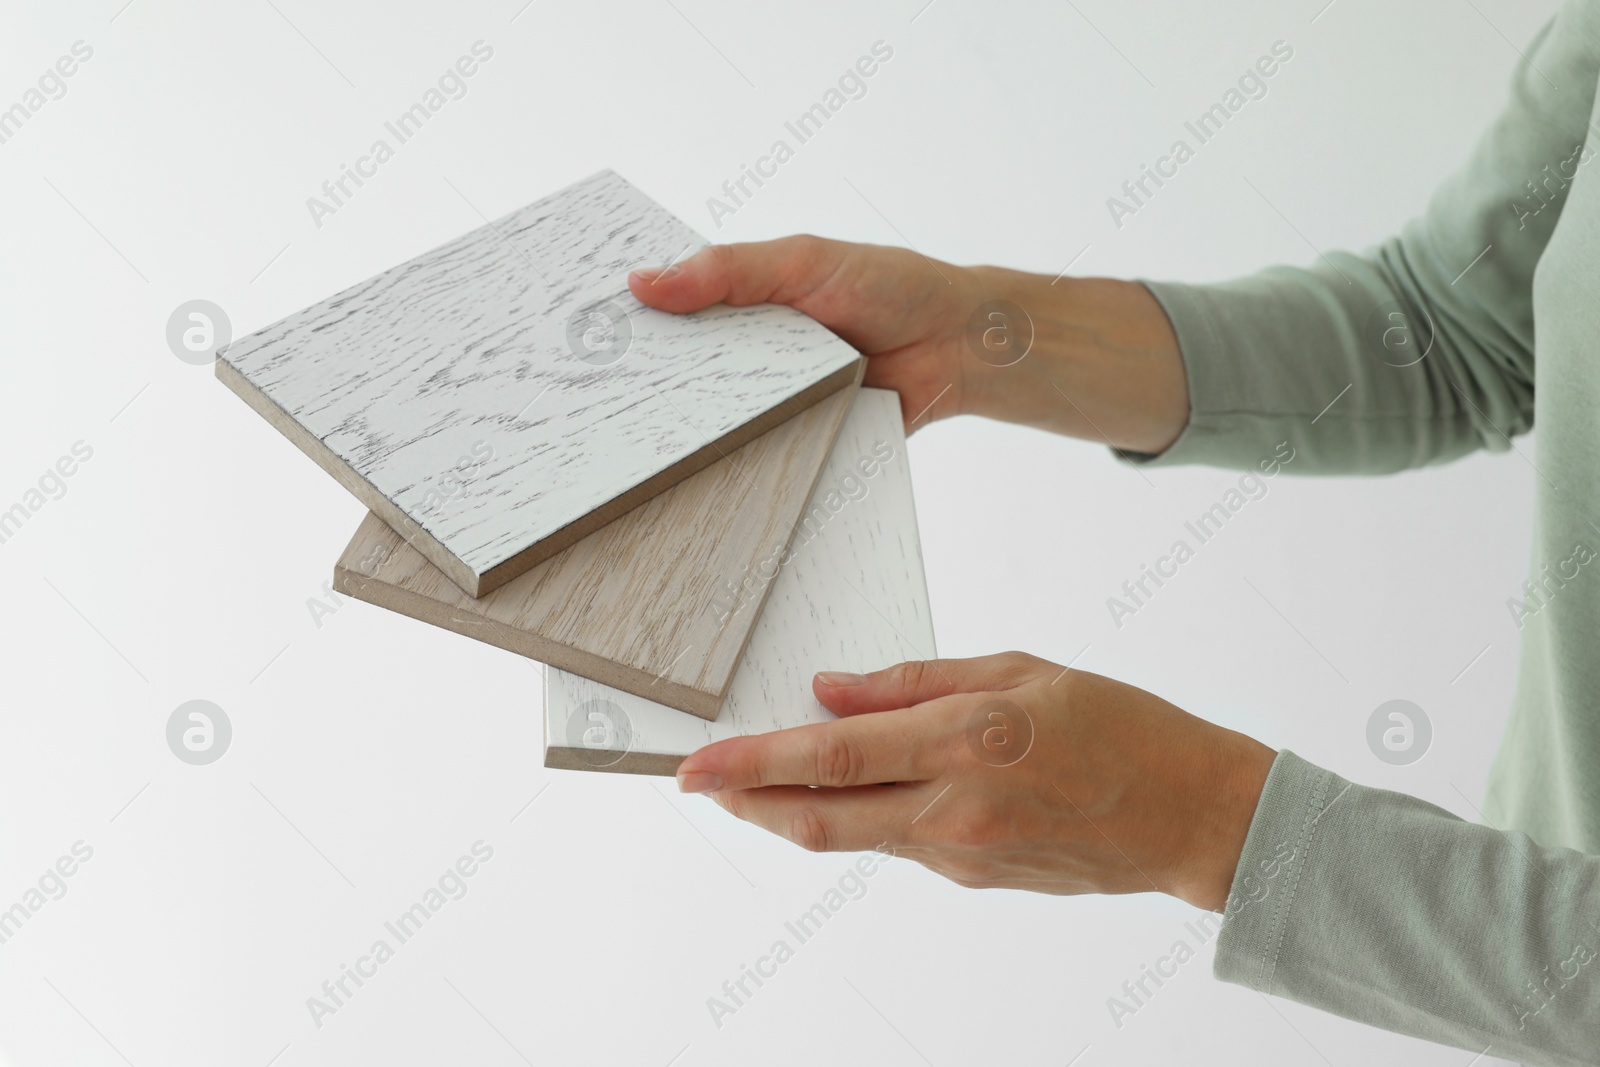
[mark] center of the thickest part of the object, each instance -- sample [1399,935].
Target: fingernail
[698,782]
[841,678]
[651,275]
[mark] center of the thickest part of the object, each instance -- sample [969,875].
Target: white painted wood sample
[849,596]
[660,602]
[504,395]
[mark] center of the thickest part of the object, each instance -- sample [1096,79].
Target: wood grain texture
[850,595]
[517,355]
[662,601]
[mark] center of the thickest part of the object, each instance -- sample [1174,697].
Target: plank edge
[659,764]
[351,582]
[363,490]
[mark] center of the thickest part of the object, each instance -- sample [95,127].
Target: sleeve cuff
[1277,852]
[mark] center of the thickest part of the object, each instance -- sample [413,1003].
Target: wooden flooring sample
[661,601]
[849,597]
[503,396]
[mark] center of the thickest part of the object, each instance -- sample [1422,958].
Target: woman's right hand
[1092,358]
[890,304]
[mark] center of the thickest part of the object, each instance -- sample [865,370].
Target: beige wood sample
[850,596]
[660,602]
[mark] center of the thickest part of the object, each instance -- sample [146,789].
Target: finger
[907,684]
[846,752]
[825,820]
[783,271]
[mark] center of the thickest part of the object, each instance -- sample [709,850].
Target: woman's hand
[1003,771]
[888,303]
[1093,358]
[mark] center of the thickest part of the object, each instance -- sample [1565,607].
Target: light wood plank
[850,597]
[661,601]
[494,354]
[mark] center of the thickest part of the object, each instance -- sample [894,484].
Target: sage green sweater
[1480,320]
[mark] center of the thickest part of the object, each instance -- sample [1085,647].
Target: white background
[371,751]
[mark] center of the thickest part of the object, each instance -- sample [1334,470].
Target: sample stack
[684,516]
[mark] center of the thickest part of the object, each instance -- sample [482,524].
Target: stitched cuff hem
[1277,855]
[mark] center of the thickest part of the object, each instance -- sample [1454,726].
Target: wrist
[1203,875]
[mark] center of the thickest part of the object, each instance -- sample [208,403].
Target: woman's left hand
[1003,771]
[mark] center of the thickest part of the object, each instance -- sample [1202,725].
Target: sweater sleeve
[1421,349]
[1387,910]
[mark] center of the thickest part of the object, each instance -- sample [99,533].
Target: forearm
[1103,363]
[1385,909]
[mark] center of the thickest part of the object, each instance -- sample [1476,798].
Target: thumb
[783,271]
[918,681]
